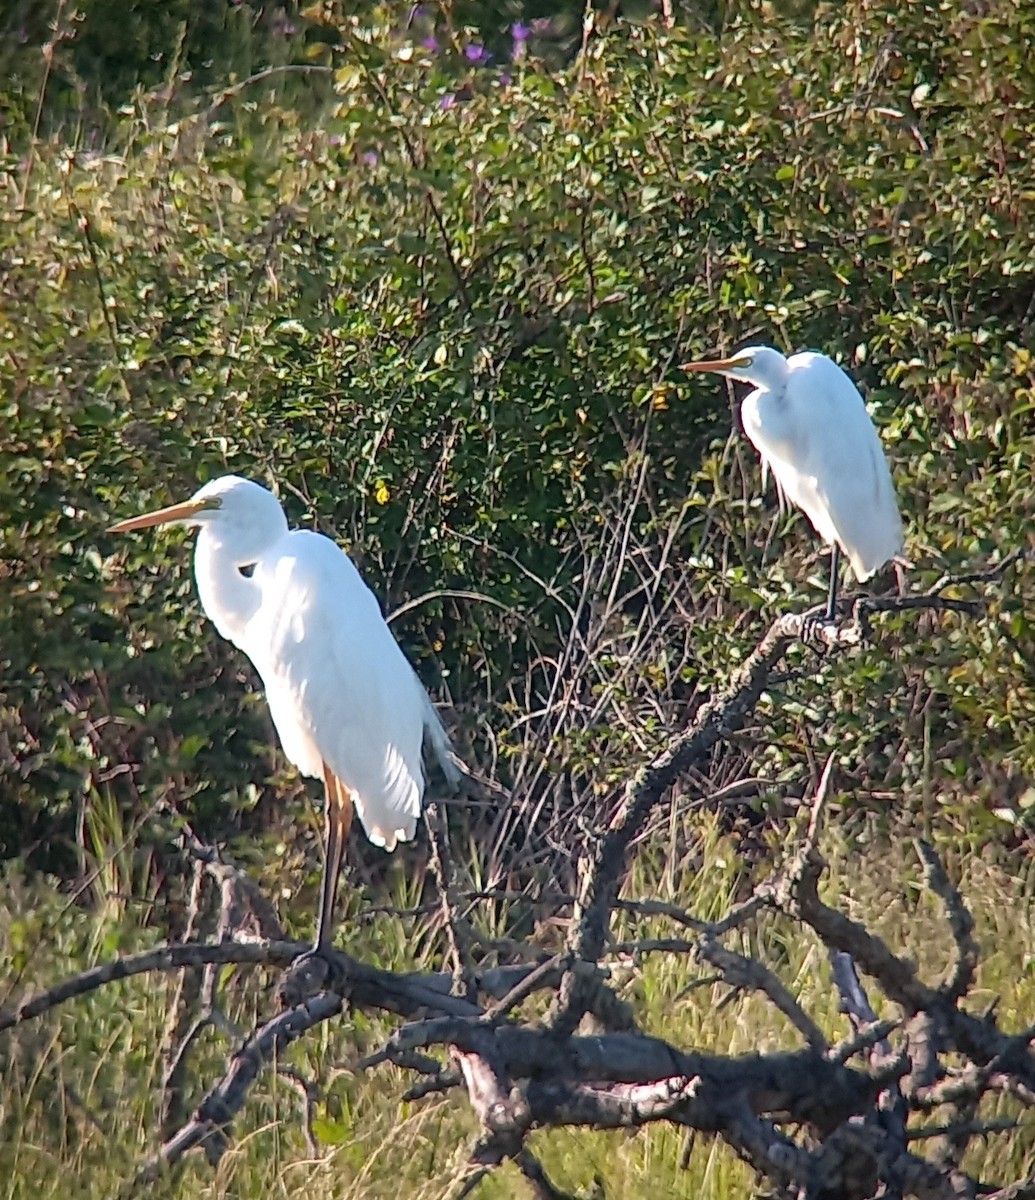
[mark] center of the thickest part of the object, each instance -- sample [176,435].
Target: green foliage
[450,334]
[93,61]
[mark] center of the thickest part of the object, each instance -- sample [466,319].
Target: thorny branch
[827,1119]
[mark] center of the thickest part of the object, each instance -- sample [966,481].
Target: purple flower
[371,158]
[430,43]
[448,101]
[476,53]
[519,32]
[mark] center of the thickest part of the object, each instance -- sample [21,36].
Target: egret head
[761,365]
[237,512]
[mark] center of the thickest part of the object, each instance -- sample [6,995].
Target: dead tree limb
[210,1126]
[828,1120]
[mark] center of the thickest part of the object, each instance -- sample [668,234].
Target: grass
[80,1088]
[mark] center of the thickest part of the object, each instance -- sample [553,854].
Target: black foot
[814,626]
[311,972]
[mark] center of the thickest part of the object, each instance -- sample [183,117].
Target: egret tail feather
[437,740]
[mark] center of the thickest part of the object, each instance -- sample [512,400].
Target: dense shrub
[444,310]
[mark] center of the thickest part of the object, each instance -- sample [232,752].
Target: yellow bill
[718,364]
[162,516]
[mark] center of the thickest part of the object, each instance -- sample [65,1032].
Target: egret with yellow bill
[809,423]
[347,705]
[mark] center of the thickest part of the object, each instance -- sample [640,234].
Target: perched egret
[347,705]
[808,422]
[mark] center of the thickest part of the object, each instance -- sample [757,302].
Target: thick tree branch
[828,1120]
[405,994]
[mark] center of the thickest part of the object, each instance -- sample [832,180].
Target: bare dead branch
[602,876]
[798,895]
[823,1121]
[973,1129]
[1024,1190]
[309,1096]
[210,1125]
[461,935]
[539,1181]
[891,1112]
[865,1037]
[521,1078]
[545,975]
[405,994]
[241,894]
[195,1008]
[165,958]
[743,972]
[961,923]
[178,1034]
[443,1081]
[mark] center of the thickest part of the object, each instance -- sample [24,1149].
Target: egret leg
[835,565]
[338,816]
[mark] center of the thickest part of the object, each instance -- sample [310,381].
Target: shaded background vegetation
[431,272]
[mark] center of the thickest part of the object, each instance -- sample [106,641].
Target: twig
[547,974]
[48,65]
[107,310]
[257,77]
[458,928]
[863,1038]
[210,1125]
[743,972]
[444,1081]
[988,575]
[969,1130]
[961,923]
[309,1094]
[180,1019]
[443,594]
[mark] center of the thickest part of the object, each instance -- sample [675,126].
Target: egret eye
[248,570]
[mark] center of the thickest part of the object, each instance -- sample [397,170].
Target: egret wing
[340,689]
[831,464]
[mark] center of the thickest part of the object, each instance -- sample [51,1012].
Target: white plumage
[347,705]
[339,688]
[808,422]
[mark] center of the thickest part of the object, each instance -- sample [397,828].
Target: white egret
[346,703]
[808,422]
